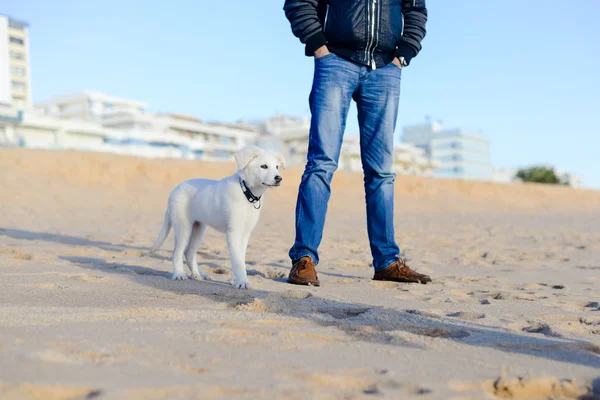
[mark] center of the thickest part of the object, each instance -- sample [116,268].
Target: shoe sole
[421,281]
[303,282]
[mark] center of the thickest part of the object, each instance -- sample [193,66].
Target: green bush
[539,175]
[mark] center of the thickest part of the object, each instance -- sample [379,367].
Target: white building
[89,105]
[207,141]
[15,68]
[32,129]
[461,154]
[290,136]
[26,128]
[421,135]
[411,160]
[142,133]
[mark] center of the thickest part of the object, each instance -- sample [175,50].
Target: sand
[513,312]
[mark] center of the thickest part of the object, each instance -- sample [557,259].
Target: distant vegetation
[540,174]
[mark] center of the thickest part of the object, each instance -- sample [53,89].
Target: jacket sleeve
[415,19]
[305,23]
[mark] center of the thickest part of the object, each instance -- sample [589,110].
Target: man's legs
[377,102]
[334,82]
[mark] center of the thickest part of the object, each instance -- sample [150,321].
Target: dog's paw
[241,285]
[206,277]
[201,277]
[179,277]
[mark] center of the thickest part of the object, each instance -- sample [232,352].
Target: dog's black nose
[278,179]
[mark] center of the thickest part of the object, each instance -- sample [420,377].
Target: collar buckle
[249,195]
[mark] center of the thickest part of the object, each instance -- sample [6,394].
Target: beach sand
[85,313]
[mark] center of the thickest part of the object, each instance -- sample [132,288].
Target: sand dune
[84,313]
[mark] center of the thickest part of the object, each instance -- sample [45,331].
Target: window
[71,108]
[16,24]
[19,86]
[15,55]
[19,101]
[16,40]
[18,71]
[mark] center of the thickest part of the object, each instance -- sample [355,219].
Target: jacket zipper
[370,50]
[326,16]
[402,31]
[377,37]
[368,46]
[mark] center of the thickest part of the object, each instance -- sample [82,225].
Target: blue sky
[526,75]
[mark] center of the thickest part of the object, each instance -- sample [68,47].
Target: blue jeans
[377,92]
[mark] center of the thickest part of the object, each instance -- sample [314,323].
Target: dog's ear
[247,154]
[280,160]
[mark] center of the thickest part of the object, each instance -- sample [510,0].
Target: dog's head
[260,168]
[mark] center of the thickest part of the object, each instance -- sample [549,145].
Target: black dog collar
[249,195]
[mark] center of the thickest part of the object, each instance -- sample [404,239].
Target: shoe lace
[403,267]
[303,264]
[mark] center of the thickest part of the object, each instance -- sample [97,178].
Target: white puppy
[230,205]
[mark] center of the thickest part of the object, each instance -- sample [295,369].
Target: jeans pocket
[325,57]
[396,66]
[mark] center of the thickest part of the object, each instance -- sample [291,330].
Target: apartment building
[460,154]
[206,141]
[290,136]
[15,66]
[28,128]
[89,105]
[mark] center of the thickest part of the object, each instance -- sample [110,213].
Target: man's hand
[322,52]
[397,62]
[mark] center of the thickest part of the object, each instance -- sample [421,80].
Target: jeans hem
[298,256]
[385,264]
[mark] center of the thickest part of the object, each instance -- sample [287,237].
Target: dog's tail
[164,232]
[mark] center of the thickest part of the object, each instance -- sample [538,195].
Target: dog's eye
[277,167]
[264,166]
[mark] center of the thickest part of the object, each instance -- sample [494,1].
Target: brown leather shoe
[400,272]
[303,273]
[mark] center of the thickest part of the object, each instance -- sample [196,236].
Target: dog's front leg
[237,253]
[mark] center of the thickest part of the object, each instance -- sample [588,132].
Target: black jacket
[369,32]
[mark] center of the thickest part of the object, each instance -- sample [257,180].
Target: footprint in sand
[582,305]
[385,285]
[295,294]
[53,356]
[536,388]
[17,255]
[132,253]
[587,267]
[343,312]
[273,274]
[437,332]
[432,313]
[591,324]
[31,391]
[90,278]
[220,271]
[51,286]
[594,305]
[540,327]
[466,315]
